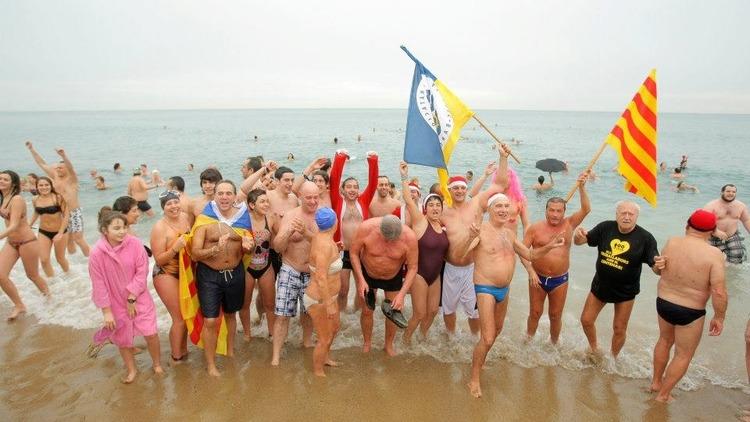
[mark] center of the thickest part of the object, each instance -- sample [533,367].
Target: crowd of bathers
[304,238]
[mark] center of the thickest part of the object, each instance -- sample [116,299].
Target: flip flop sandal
[395,316]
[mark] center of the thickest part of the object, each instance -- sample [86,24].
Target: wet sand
[45,375]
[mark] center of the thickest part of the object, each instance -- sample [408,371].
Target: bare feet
[366,347]
[663,399]
[129,378]
[319,373]
[230,352]
[595,356]
[655,387]
[275,362]
[308,344]
[475,389]
[214,372]
[17,311]
[246,337]
[390,351]
[158,370]
[332,363]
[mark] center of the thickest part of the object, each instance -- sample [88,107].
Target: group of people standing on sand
[301,237]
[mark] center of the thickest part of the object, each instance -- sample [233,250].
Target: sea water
[170,140]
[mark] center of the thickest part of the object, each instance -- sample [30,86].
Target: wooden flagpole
[590,166]
[495,137]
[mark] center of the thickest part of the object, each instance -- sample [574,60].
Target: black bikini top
[52,209]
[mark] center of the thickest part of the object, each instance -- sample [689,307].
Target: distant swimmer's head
[390,227]
[137,171]
[325,218]
[540,179]
[702,221]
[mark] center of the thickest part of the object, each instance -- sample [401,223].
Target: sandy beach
[47,376]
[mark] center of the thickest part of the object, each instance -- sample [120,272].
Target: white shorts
[458,289]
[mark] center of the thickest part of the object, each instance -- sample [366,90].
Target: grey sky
[566,55]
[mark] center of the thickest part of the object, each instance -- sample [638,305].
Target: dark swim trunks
[224,288]
[347,262]
[144,206]
[677,314]
[392,285]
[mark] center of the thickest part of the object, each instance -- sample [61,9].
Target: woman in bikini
[433,246]
[321,297]
[260,270]
[50,209]
[166,242]
[19,242]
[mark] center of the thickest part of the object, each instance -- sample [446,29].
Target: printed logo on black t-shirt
[610,258]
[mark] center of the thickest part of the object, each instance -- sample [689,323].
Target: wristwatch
[131,301]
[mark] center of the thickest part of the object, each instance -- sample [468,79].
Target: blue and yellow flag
[190,307]
[433,124]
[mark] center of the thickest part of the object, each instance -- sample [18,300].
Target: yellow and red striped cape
[634,139]
[189,303]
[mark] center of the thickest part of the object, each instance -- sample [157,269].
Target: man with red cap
[623,247]
[693,273]
[458,276]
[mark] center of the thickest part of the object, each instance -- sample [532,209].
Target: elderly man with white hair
[623,246]
[493,248]
[381,247]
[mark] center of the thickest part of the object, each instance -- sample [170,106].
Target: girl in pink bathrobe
[118,267]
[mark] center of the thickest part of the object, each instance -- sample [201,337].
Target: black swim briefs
[220,288]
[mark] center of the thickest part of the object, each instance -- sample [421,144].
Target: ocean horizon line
[140,110]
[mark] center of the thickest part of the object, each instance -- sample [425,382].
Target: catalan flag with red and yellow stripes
[634,139]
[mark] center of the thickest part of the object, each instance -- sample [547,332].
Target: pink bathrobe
[116,273]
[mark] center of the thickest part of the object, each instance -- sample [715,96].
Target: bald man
[380,248]
[293,243]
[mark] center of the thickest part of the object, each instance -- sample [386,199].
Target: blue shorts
[499,293]
[290,286]
[550,283]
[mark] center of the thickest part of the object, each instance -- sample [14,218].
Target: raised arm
[577,218]
[248,184]
[500,183]
[414,212]
[68,165]
[372,177]
[337,170]
[315,165]
[39,160]
[491,167]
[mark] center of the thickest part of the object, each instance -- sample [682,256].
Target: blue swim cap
[325,218]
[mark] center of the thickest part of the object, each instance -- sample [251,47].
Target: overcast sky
[536,55]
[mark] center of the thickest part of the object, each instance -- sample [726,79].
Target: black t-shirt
[618,264]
